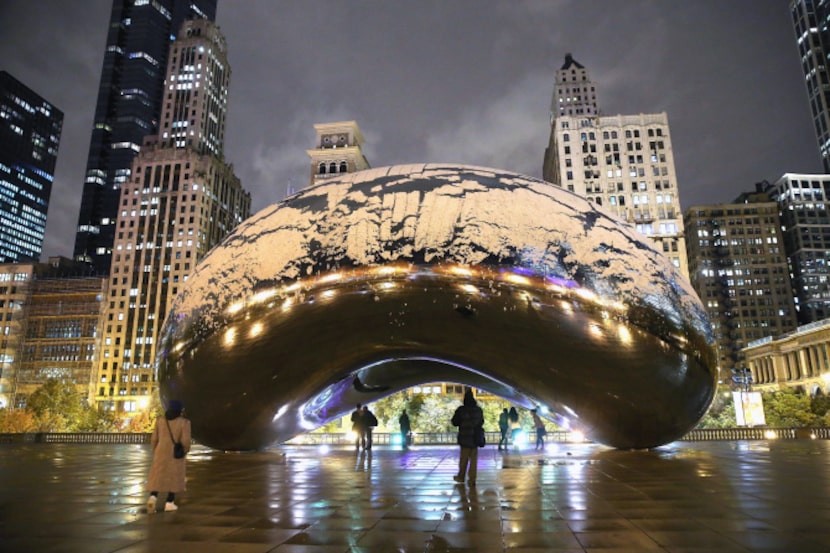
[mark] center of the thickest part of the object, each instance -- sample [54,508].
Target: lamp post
[742,380]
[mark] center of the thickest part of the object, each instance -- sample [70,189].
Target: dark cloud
[464,81]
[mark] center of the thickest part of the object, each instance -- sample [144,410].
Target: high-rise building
[811,21]
[573,93]
[15,290]
[738,267]
[51,317]
[624,163]
[339,150]
[63,329]
[130,98]
[805,220]
[30,132]
[181,199]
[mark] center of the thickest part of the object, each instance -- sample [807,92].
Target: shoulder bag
[178,448]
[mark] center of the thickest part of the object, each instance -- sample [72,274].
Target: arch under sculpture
[372,282]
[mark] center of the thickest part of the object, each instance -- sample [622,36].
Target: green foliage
[789,409]
[721,413]
[435,414]
[15,421]
[388,409]
[93,420]
[820,405]
[331,427]
[142,421]
[57,406]
[416,402]
[785,408]
[492,410]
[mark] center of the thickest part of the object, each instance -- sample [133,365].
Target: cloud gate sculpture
[372,282]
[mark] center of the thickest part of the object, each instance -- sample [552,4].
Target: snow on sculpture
[371,282]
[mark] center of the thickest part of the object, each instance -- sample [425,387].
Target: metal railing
[426,438]
[76,438]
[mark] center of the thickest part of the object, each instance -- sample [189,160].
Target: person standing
[539,425]
[515,427]
[469,418]
[167,473]
[504,425]
[406,428]
[358,427]
[370,421]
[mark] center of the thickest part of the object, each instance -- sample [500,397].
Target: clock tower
[339,150]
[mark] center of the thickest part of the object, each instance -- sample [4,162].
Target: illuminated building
[810,22]
[15,290]
[805,222]
[181,199]
[51,327]
[624,163]
[799,359]
[738,267]
[30,132]
[128,108]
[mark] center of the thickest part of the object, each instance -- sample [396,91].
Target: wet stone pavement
[685,497]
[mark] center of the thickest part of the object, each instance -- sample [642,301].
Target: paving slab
[760,496]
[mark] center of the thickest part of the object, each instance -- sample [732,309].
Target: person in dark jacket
[469,418]
[358,427]
[370,421]
[539,425]
[504,425]
[406,428]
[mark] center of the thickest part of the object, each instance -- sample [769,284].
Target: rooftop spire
[569,61]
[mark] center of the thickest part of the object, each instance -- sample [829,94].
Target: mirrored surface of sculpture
[369,283]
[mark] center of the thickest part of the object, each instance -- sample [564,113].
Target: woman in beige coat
[168,473]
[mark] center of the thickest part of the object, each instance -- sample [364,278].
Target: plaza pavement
[685,497]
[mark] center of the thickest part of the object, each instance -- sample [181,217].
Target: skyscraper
[573,93]
[60,320]
[181,199]
[811,21]
[15,291]
[128,108]
[738,267]
[30,132]
[624,163]
[803,204]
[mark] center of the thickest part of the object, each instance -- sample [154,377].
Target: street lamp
[742,378]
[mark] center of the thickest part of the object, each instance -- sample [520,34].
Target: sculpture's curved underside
[375,281]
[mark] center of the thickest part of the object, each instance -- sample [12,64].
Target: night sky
[462,81]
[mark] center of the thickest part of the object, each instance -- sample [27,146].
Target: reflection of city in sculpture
[379,280]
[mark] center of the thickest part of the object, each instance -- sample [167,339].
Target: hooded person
[469,418]
[167,472]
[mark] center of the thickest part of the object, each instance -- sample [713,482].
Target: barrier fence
[427,438]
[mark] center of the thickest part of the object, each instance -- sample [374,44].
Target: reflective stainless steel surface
[376,281]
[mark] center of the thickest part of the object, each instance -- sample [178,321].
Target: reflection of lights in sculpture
[376,281]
